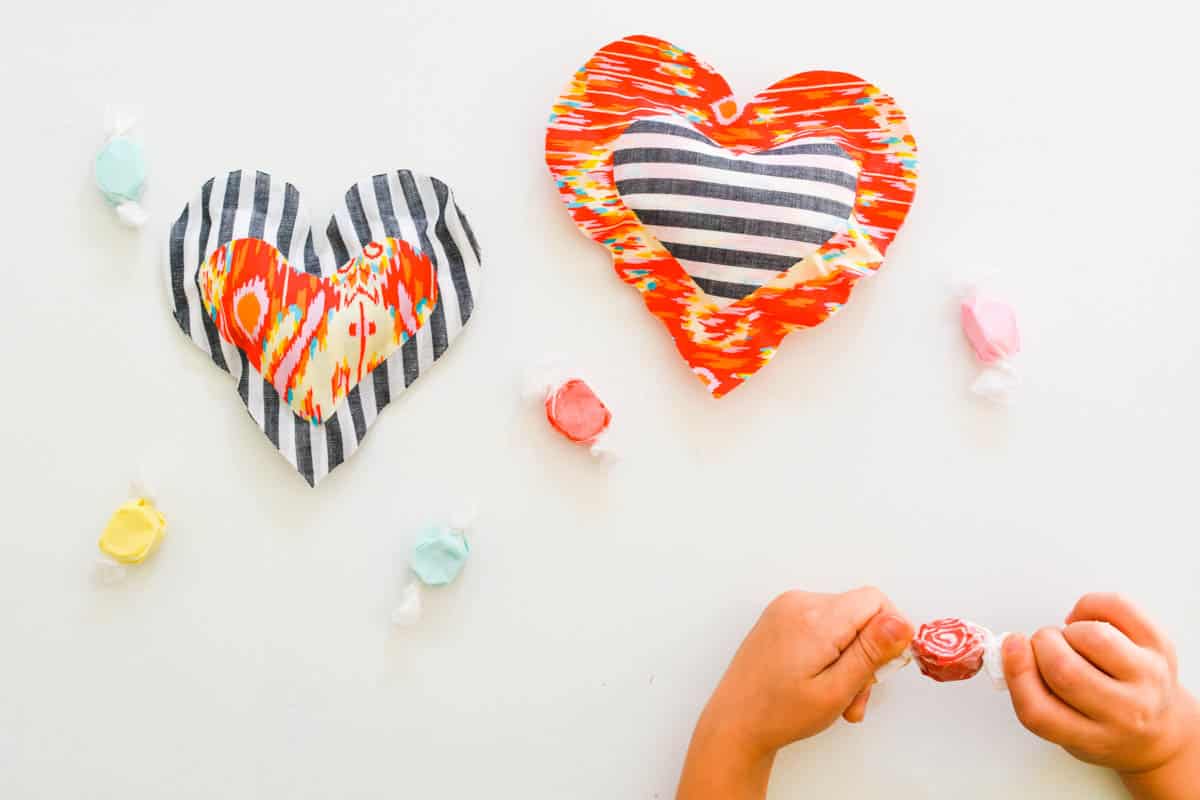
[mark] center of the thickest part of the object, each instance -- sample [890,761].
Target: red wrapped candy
[949,649]
[572,406]
[576,412]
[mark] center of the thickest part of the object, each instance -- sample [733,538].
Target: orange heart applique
[315,338]
[737,227]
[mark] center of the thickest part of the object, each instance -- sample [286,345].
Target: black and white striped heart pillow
[248,204]
[733,221]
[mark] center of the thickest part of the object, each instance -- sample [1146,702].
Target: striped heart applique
[732,220]
[736,225]
[322,330]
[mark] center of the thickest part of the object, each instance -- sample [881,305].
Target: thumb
[1026,689]
[881,640]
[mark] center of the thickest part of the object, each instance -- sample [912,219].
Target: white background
[252,658]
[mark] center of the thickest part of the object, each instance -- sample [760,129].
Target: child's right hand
[809,659]
[1106,688]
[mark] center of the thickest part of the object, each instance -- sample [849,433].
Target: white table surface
[253,657]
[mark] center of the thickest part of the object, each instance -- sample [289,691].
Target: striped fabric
[733,221]
[249,204]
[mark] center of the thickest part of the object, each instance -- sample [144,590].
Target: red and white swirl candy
[952,649]
[949,649]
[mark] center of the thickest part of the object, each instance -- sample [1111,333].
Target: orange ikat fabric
[673,131]
[315,338]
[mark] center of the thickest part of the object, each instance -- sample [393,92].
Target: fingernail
[1012,644]
[895,629]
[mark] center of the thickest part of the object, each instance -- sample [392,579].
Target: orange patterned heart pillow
[321,330]
[738,226]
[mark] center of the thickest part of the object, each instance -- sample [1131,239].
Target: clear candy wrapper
[993,660]
[408,610]
[120,169]
[990,326]
[572,407]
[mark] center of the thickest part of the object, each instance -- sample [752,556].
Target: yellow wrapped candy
[133,531]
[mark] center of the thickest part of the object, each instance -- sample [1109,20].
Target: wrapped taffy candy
[132,533]
[990,326]
[120,170]
[436,559]
[949,649]
[952,649]
[572,407]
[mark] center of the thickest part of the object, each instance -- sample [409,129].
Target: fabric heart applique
[314,339]
[737,226]
[322,331]
[732,221]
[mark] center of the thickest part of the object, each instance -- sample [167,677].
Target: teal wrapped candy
[439,555]
[121,170]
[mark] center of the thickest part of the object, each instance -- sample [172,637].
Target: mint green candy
[439,555]
[121,170]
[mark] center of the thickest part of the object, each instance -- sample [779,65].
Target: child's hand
[1106,689]
[810,659]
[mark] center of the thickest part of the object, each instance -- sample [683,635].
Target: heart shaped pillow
[737,226]
[322,330]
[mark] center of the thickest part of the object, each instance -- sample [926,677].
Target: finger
[1036,707]
[857,710]
[1128,618]
[1107,648]
[881,640]
[1072,679]
[847,613]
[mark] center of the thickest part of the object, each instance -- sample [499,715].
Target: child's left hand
[1106,688]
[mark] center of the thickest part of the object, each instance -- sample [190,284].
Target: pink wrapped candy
[990,326]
